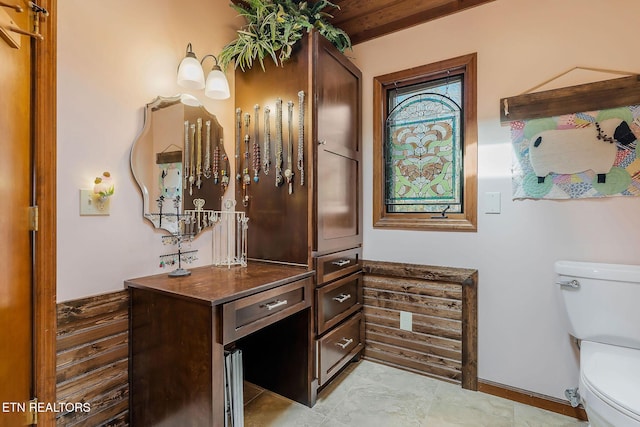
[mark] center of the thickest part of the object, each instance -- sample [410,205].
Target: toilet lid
[613,373]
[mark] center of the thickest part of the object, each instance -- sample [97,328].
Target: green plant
[274,26]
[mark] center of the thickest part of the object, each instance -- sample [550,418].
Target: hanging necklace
[288,173]
[301,136]
[246,178]
[199,152]
[207,152]
[223,159]
[266,161]
[186,154]
[238,142]
[216,157]
[192,178]
[256,144]
[279,178]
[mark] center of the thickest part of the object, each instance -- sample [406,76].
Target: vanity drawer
[246,315]
[338,300]
[339,346]
[338,264]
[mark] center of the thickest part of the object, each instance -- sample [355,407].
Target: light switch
[492,202]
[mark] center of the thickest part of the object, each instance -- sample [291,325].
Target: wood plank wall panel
[442,301]
[92,359]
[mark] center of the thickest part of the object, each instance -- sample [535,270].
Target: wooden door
[339,177]
[16,339]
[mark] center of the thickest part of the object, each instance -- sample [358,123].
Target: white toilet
[603,304]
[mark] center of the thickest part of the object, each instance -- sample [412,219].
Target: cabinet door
[339,186]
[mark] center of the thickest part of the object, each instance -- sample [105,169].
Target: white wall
[116,56]
[113,58]
[520,43]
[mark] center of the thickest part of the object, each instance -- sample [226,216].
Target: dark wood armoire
[319,223]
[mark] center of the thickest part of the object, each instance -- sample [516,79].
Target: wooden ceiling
[364,20]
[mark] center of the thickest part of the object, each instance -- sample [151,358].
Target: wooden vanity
[308,235]
[180,327]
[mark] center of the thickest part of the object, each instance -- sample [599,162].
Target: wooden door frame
[44,267]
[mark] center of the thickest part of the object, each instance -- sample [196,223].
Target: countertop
[213,285]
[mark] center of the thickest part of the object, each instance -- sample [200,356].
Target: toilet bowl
[610,384]
[603,306]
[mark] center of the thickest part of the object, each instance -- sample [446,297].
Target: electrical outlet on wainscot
[406,320]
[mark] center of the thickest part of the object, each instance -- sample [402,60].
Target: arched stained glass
[423,148]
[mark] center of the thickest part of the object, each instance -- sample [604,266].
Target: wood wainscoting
[442,301]
[92,359]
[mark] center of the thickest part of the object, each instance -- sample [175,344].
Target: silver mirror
[179,162]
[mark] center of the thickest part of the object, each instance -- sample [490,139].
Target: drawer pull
[344,343]
[277,303]
[342,262]
[342,297]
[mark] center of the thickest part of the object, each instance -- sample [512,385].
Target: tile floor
[369,394]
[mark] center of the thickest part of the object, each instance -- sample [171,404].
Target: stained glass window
[423,147]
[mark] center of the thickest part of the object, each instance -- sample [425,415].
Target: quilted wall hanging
[590,154]
[576,142]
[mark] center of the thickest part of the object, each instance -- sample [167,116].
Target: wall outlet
[406,320]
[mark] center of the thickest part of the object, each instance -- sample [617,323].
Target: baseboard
[532,399]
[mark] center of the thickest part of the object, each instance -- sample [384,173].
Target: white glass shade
[191,100]
[190,74]
[217,86]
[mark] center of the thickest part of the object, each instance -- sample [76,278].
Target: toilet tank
[604,306]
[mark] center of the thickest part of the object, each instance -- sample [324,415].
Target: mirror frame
[212,196]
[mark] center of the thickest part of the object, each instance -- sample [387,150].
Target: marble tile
[397,379]
[338,389]
[454,406]
[270,409]
[369,394]
[378,405]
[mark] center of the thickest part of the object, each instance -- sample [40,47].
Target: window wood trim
[466,221]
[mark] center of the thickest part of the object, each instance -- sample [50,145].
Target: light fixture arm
[215,66]
[189,51]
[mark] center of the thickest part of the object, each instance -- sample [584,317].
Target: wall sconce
[96,201]
[191,76]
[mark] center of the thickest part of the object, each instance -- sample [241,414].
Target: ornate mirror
[180,163]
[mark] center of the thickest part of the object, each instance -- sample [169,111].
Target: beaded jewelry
[207,152]
[199,152]
[238,142]
[256,144]
[266,161]
[216,162]
[301,136]
[186,153]
[192,177]
[279,178]
[246,178]
[288,173]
